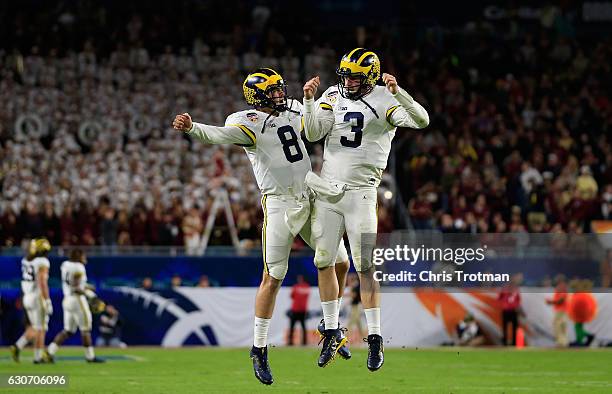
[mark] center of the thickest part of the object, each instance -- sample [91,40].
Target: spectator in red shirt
[299,294]
[510,301]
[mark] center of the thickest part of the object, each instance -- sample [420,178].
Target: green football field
[197,370]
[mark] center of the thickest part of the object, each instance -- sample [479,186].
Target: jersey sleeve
[318,117]
[41,262]
[234,132]
[406,112]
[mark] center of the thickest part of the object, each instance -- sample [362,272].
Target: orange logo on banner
[451,309]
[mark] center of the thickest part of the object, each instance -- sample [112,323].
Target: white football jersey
[276,150]
[29,273]
[70,269]
[358,145]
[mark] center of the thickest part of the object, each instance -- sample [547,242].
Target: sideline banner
[224,316]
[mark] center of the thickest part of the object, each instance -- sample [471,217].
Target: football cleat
[95,360]
[332,341]
[15,353]
[48,357]
[376,356]
[344,351]
[261,367]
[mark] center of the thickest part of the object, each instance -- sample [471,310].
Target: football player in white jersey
[75,305]
[358,120]
[270,136]
[36,300]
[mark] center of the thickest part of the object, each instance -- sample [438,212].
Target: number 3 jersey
[358,133]
[272,143]
[29,273]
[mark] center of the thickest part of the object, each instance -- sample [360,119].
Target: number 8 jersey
[273,145]
[359,132]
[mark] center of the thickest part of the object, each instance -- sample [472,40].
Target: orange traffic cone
[520,338]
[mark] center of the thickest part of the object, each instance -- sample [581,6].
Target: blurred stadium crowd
[519,137]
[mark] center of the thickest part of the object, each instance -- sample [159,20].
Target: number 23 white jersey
[29,273]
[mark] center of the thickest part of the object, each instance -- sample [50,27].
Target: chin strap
[369,106]
[343,92]
[263,129]
[289,108]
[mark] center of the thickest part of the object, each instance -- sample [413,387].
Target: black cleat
[48,357]
[261,367]
[95,360]
[332,341]
[15,353]
[344,351]
[376,356]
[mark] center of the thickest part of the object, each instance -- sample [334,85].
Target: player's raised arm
[317,121]
[409,113]
[228,134]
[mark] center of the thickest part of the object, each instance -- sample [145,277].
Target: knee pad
[361,265]
[323,259]
[277,271]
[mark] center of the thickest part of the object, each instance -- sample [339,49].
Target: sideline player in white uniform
[75,305]
[270,136]
[358,120]
[36,300]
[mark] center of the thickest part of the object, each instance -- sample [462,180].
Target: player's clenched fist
[182,122]
[310,88]
[391,82]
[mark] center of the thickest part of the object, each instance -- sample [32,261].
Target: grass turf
[446,370]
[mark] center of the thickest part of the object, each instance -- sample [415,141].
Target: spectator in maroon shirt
[138,227]
[155,220]
[299,306]
[108,227]
[420,210]
[480,209]
[87,224]
[10,234]
[385,221]
[51,224]
[67,226]
[31,221]
[510,301]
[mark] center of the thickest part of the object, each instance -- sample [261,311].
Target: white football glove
[48,306]
[89,294]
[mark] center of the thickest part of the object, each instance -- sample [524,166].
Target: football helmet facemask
[362,65]
[265,87]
